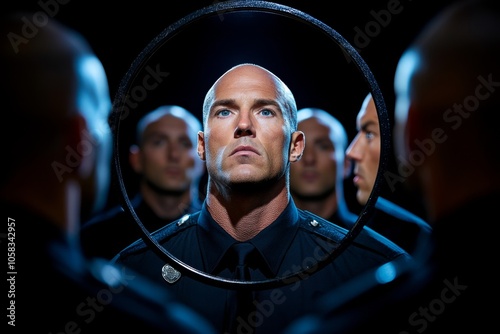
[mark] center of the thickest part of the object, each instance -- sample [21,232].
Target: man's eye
[223,113]
[266,112]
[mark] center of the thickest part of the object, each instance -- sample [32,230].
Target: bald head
[174,111]
[445,62]
[338,135]
[450,75]
[56,94]
[447,101]
[47,76]
[42,65]
[255,73]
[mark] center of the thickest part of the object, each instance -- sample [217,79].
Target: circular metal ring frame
[289,12]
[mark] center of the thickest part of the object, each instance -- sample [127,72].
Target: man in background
[165,158]
[389,219]
[316,181]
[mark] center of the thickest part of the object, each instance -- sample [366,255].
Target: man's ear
[135,159]
[201,145]
[297,145]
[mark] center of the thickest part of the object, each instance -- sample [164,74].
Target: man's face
[364,150]
[167,157]
[246,139]
[315,173]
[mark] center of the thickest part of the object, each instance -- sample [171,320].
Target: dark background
[128,38]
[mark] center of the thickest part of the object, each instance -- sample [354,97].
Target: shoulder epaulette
[367,237]
[321,226]
[166,232]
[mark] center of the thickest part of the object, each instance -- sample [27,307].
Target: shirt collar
[214,238]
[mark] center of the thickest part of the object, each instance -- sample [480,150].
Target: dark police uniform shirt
[54,289]
[111,231]
[445,291]
[399,225]
[296,240]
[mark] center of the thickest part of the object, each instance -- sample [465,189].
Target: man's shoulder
[161,236]
[114,214]
[391,209]
[366,239]
[320,226]
[370,239]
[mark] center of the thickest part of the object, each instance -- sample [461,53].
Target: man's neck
[166,205]
[324,207]
[242,215]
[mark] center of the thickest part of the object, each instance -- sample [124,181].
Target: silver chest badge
[170,274]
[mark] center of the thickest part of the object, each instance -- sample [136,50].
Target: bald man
[316,180]
[54,91]
[165,158]
[249,221]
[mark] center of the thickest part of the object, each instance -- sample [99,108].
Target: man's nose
[245,125]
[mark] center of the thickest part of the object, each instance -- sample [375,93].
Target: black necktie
[240,301]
